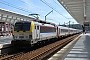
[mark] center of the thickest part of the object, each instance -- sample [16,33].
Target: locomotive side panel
[47,32]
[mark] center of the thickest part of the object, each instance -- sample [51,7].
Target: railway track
[39,53]
[9,57]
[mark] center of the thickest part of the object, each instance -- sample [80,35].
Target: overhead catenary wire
[56,3]
[31,5]
[11,5]
[53,8]
[59,6]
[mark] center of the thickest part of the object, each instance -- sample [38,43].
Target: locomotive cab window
[22,26]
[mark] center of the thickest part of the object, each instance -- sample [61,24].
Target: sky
[41,7]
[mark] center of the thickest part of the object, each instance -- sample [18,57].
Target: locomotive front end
[22,33]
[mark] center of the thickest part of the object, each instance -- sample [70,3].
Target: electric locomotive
[25,32]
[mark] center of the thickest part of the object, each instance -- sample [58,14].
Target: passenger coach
[31,33]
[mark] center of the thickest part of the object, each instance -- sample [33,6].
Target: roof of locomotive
[22,22]
[36,23]
[41,24]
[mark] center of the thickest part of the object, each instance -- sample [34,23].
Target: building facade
[5,29]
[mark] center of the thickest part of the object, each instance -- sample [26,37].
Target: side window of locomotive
[35,27]
[38,27]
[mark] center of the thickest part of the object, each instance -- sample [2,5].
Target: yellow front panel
[32,26]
